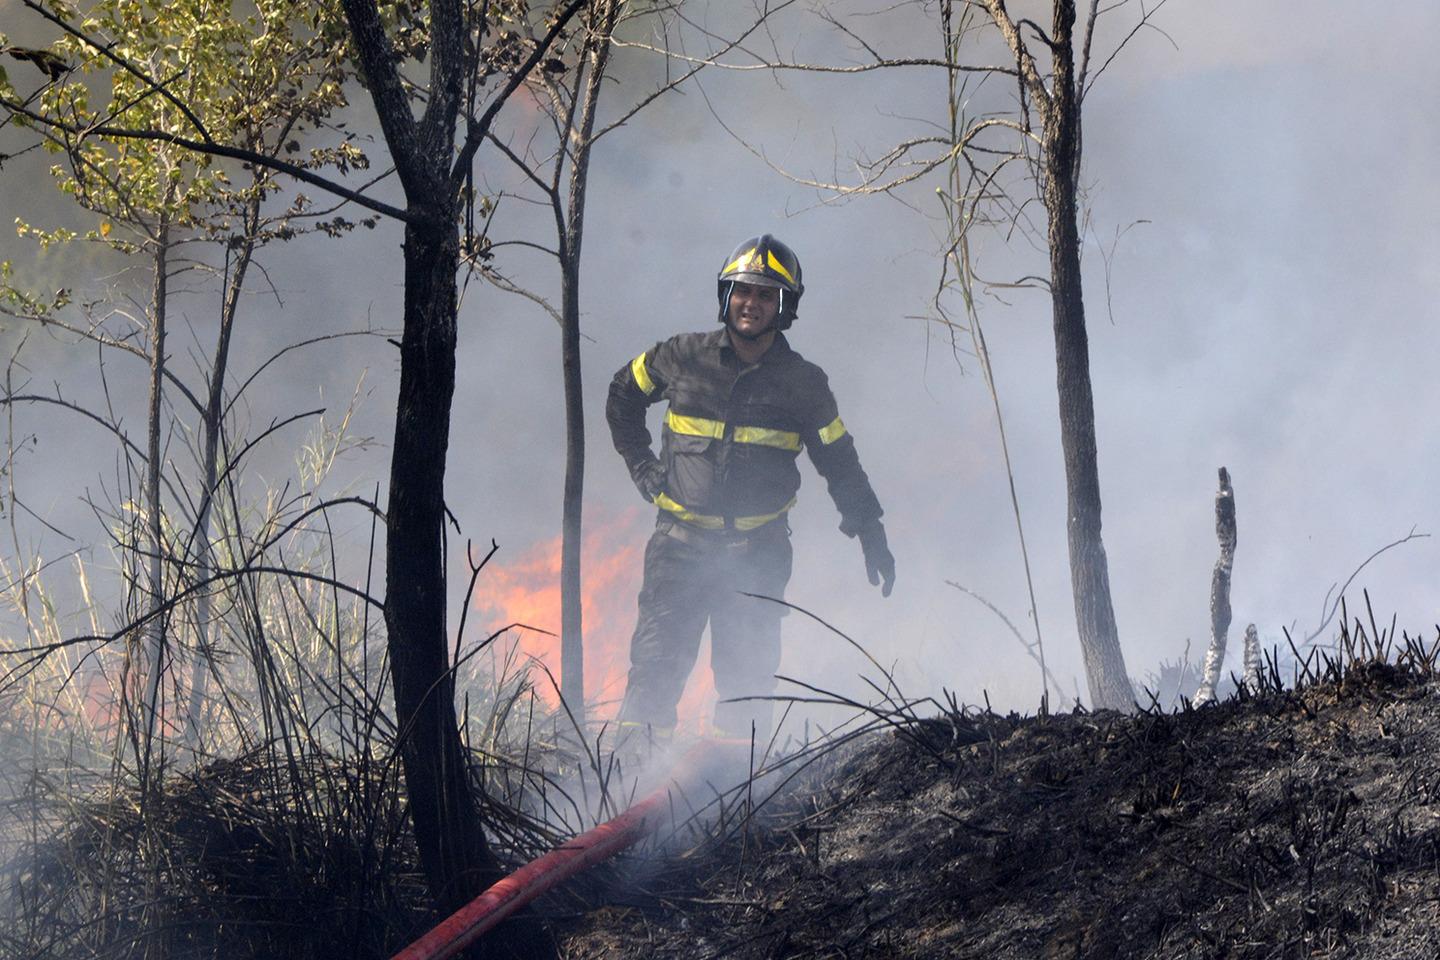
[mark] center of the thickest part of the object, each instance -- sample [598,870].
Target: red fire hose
[509,894]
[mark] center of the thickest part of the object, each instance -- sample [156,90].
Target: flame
[99,703]
[526,590]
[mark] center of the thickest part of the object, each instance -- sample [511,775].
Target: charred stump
[1220,589]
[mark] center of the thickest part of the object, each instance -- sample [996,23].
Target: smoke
[1272,314]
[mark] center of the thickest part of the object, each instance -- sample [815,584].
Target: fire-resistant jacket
[732,433]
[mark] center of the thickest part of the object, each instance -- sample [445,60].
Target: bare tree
[1010,159]
[1059,99]
[570,96]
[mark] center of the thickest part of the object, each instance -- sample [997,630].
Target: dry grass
[274,824]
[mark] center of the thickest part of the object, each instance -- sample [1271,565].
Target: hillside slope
[1289,825]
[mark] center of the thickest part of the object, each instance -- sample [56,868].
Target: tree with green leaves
[471,59]
[262,80]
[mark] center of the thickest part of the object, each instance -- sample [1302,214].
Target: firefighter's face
[753,308]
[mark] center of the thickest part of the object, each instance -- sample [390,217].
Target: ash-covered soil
[1290,825]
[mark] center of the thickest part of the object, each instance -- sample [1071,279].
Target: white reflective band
[832,431]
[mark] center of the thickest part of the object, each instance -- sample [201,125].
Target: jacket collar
[779,351]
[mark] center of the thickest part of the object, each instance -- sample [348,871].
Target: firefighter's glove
[651,480]
[879,562]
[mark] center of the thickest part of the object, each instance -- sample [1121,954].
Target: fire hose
[509,894]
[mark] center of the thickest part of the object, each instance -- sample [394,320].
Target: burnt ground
[1291,824]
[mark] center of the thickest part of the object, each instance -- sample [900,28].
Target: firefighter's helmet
[765,262]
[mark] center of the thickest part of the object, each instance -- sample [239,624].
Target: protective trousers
[692,578]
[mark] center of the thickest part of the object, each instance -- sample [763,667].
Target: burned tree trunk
[572,643]
[1254,663]
[453,850]
[158,621]
[1105,670]
[1058,100]
[1219,589]
[210,463]
[572,650]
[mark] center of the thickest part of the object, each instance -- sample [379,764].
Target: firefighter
[742,404]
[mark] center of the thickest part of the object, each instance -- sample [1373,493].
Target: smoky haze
[1269,315]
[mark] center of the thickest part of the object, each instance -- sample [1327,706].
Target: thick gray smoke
[1268,315]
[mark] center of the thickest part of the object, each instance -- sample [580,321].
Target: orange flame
[526,591]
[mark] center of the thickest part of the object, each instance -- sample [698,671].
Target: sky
[1259,179]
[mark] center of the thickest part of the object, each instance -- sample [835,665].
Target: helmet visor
[756,279]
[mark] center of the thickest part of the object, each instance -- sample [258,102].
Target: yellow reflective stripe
[741,262]
[777,266]
[663,501]
[715,429]
[663,734]
[642,375]
[750,262]
[764,436]
[694,426]
[832,431]
[750,523]
[707,522]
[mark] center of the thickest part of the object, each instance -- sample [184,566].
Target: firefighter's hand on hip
[879,562]
[652,481]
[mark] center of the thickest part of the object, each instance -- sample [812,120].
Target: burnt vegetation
[256,740]
[1294,818]
[1298,819]
[299,846]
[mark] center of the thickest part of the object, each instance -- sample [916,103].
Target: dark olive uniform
[724,480]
